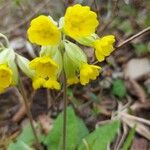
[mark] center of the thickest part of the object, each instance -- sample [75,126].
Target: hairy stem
[29,114]
[65,110]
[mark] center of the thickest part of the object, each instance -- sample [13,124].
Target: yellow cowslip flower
[72,80]
[80,21]
[45,73]
[6,76]
[88,72]
[43,31]
[104,46]
[43,66]
[52,83]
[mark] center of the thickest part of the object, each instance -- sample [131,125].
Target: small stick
[133,37]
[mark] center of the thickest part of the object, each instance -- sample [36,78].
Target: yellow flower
[38,83]
[45,73]
[80,21]
[5,77]
[43,31]
[88,72]
[52,83]
[104,47]
[72,80]
[43,66]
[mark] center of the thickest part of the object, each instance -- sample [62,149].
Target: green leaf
[141,49]
[76,130]
[126,27]
[24,140]
[129,139]
[19,146]
[101,137]
[118,88]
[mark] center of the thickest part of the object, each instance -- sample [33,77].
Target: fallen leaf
[136,68]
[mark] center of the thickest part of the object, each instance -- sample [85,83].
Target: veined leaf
[101,137]
[76,130]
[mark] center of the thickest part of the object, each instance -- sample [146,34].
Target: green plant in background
[141,49]
[119,89]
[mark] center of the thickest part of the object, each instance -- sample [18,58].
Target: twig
[22,91]
[125,132]
[146,30]
[65,110]
[139,91]
[147,122]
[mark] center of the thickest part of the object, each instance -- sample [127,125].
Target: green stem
[29,114]
[65,110]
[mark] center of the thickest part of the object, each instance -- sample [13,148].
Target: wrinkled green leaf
[118,88]
[101,137]
[20,145]
[76,130]
[24,140]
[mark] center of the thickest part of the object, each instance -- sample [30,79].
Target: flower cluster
[57,52]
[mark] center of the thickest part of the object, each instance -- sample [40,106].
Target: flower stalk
[65,110]
[29,114]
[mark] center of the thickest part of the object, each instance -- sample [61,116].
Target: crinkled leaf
[101,137]
[24,140]
[76,130]
[19,146]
